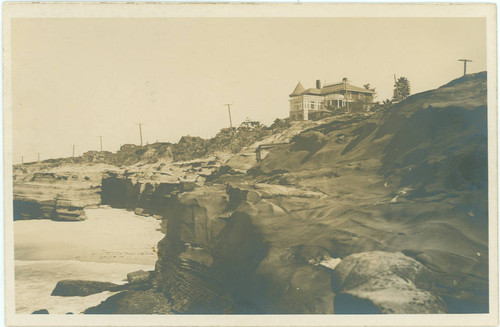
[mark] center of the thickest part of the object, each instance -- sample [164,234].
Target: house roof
[328,89]
[312,91]
[299,89]
[340,87]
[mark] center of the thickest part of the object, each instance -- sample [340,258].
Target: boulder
[82,288]
[386,282]
[40,312]
[141,212]
[139,276]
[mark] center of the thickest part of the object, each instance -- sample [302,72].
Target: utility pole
[465,64]
[22,160]
[100,138]
[229,111]
[140,130]
[74,150]
[345,92]
[38,153]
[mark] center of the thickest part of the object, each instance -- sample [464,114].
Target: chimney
[318,84]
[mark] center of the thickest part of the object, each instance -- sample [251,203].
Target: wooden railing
[261,147]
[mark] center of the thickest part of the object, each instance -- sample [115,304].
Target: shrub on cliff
[248,133]
[280,125]
[190,147]
[235,139]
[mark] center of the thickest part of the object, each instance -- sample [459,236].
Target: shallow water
[105,247]
[35,281]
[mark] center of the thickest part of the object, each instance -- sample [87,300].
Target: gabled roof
[328,89]
[340,87]
[312,91]
[299,89]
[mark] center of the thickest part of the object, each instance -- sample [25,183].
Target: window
[296,105]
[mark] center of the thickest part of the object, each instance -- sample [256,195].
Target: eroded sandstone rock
[385,281]
[81,287]
[133,302]
[139,276]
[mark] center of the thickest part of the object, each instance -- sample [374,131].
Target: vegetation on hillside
[401,89]
[227,140]
[188,148]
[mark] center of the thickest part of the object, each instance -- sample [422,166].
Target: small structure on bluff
[319,102]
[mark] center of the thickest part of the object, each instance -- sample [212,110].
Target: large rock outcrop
[56,192]
[398,197]
[411,180]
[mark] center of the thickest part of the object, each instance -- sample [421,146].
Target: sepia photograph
[250,164]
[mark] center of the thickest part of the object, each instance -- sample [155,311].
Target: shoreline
[109,235]
[35,281]
[106,247]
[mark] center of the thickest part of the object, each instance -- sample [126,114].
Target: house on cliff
[319,102]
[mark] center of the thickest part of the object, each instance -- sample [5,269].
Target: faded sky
[76,79]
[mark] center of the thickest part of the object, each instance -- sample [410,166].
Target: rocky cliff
[401,192]
[57,192]
[382,212]
[61,190]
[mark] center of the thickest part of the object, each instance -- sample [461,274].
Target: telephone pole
[140,131]
[100,138]
[74,150]
[345,80]
[38,153]
[22,160]
[229,111]
[465,64]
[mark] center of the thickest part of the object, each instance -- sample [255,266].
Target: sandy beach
[105,247]
[108,235]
